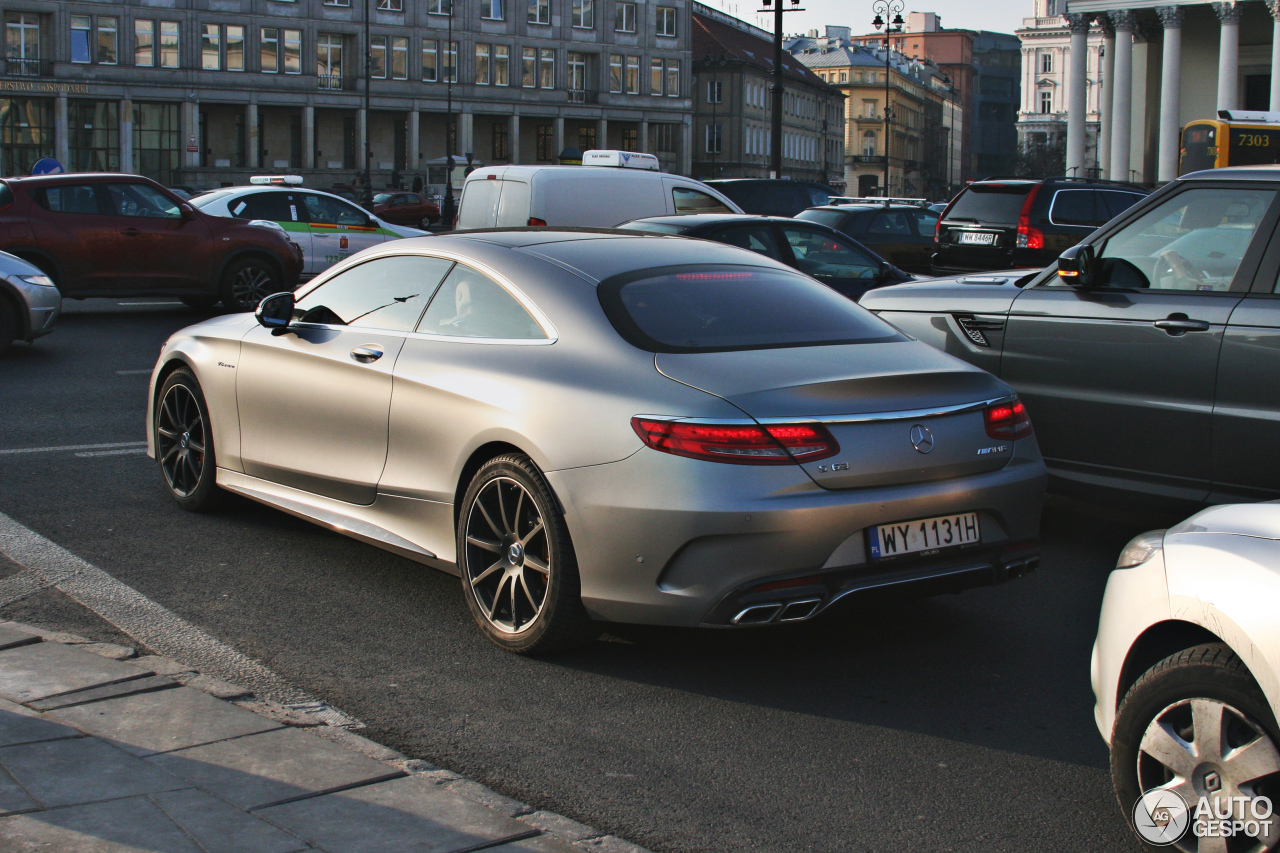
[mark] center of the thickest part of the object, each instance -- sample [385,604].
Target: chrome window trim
[1053,202]
[866,417]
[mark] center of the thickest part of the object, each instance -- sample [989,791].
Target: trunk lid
[870,397]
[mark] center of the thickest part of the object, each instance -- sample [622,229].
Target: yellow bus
[1236,138]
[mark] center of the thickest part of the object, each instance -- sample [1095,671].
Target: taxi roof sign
[621,160]
[278,180]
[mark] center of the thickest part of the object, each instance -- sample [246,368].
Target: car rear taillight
[748,444]
[1008,421]
[1028,237]
[535,221]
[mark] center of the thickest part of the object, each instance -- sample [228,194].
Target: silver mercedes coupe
[591,426]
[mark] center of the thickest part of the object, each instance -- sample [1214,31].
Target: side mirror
[275,312]
[1076,266]
[188,213]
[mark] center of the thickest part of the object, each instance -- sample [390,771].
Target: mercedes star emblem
[921,438]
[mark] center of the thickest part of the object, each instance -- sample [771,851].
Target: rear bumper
[952,261]
[670,541]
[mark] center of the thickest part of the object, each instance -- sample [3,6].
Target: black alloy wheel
[247,282]
[184,443]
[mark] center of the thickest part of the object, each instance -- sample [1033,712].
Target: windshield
[995,204]
[382,198]
[830,218]
[205,199]
[722,308]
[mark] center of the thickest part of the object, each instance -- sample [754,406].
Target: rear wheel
[247,282]
[184,443]
[519,570]
[8,325]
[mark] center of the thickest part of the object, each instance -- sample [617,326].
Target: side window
[274,206]
[1116,203]
[818,196]
[890,222]
[400,201]
[757,238]
[471,305]
[142,200]
[1195,240]
[513,207]
[819,254]
[385,293]
[926,222]
[693,201]
[74,199]
[1074,207]
[331,211]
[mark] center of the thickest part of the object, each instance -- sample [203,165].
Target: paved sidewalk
[102,753]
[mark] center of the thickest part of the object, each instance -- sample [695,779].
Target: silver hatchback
[604,426]
[29,302]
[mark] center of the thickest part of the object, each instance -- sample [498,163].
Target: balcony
[27,67]
[583,96]
[867,159]
[335,83]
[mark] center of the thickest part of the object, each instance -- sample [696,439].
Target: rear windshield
[995,204]
[830,218]
[721,308]
[652,227]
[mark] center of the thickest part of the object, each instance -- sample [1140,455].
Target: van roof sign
[621,160]
[277,180]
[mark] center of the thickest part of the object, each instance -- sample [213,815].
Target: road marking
[120,452]
[155,626]
[69,447]
[134,372]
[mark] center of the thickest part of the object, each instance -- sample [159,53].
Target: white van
[611,187]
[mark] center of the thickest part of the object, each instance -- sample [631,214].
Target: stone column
[602,133]
[414,142]
[557,138]
[1106,78]
[362,140]
[1170,90]
[513,139]
[62,133]
[308,137]
[1122,96]
[190,134]
[1274,7]
[686,147]
[643,142]
[252,142]
[1077,93]
[1229,55]
[466,134]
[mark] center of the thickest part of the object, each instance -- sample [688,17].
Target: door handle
[314,234]
[366,354]
[1178,325]
[130,232]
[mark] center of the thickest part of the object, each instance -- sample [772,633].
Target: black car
[769,197]
[816,250]
[1007,223]
[903,233]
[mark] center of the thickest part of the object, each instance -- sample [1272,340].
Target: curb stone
[557,826]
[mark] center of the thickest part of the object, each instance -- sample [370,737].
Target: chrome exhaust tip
[797,610]
[758,614]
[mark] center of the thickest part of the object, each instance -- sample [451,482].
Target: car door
[314,401]
[75,225]
[925,224]
[285,208]
[1120,377]
[338,230]
[893,235]
[160,250]
[831,259]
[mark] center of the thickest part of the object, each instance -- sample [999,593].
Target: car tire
[519,570]
[184,447]
[1197,683]
[426,223]
[247,281]
[200,303]
[8,325]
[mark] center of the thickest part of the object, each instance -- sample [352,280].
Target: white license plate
[925,534]
[969,238]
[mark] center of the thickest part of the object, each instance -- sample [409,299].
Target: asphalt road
[957,723]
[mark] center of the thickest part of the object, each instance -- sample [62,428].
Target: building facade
[209,93]
[1046,61]
[733,68]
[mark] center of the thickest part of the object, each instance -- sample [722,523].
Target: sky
[1000,15]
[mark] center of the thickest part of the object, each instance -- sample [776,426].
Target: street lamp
[447,209]
[883,9]
[777,87]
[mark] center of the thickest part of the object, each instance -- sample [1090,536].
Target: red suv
[106,234]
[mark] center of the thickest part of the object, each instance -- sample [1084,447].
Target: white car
[327,227]
[1186,671]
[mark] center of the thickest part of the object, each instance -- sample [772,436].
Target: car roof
[73,177]
[695,220]
[868,206]
[1235,173]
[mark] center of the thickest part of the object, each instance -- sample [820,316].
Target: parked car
[405,208]
[1186,671]
[107,234]
[29,301]
[771,197]
[609,187]
[328,228]
[755,448]
[1013,222]
[842,264]
[1148,353]
[902,233]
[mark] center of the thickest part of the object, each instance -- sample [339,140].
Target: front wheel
[247,282]
[8,325]
[1197,726]
[184,443]
[519,570]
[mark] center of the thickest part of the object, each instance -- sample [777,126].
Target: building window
[1046,101]
[529,68]
[378,57]
[483,52]
[633,75]
[235,47]
[586,138]
[400,58]
[615,73]
[329,60]
[144,43]
[578,73]
[548,68]
[491,9]
[501,142]
[664,136]
[108,41]
[81,35]
[451,62]
[210,52]
[26,125]
[673,78]
[1046,62]
[655,76]
[630,139]
[713,138]
[539,11]
[269,50]
[430,60]
[293,51]
[439,7]
[869,143]
[584,15]
[624,17]
[868,109]
[337,2]
[390,5]
[501,65]
[844,76]
[666,21]
[715,92]
[170,57]
[546,143]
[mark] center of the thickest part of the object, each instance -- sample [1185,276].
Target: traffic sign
[47,166]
